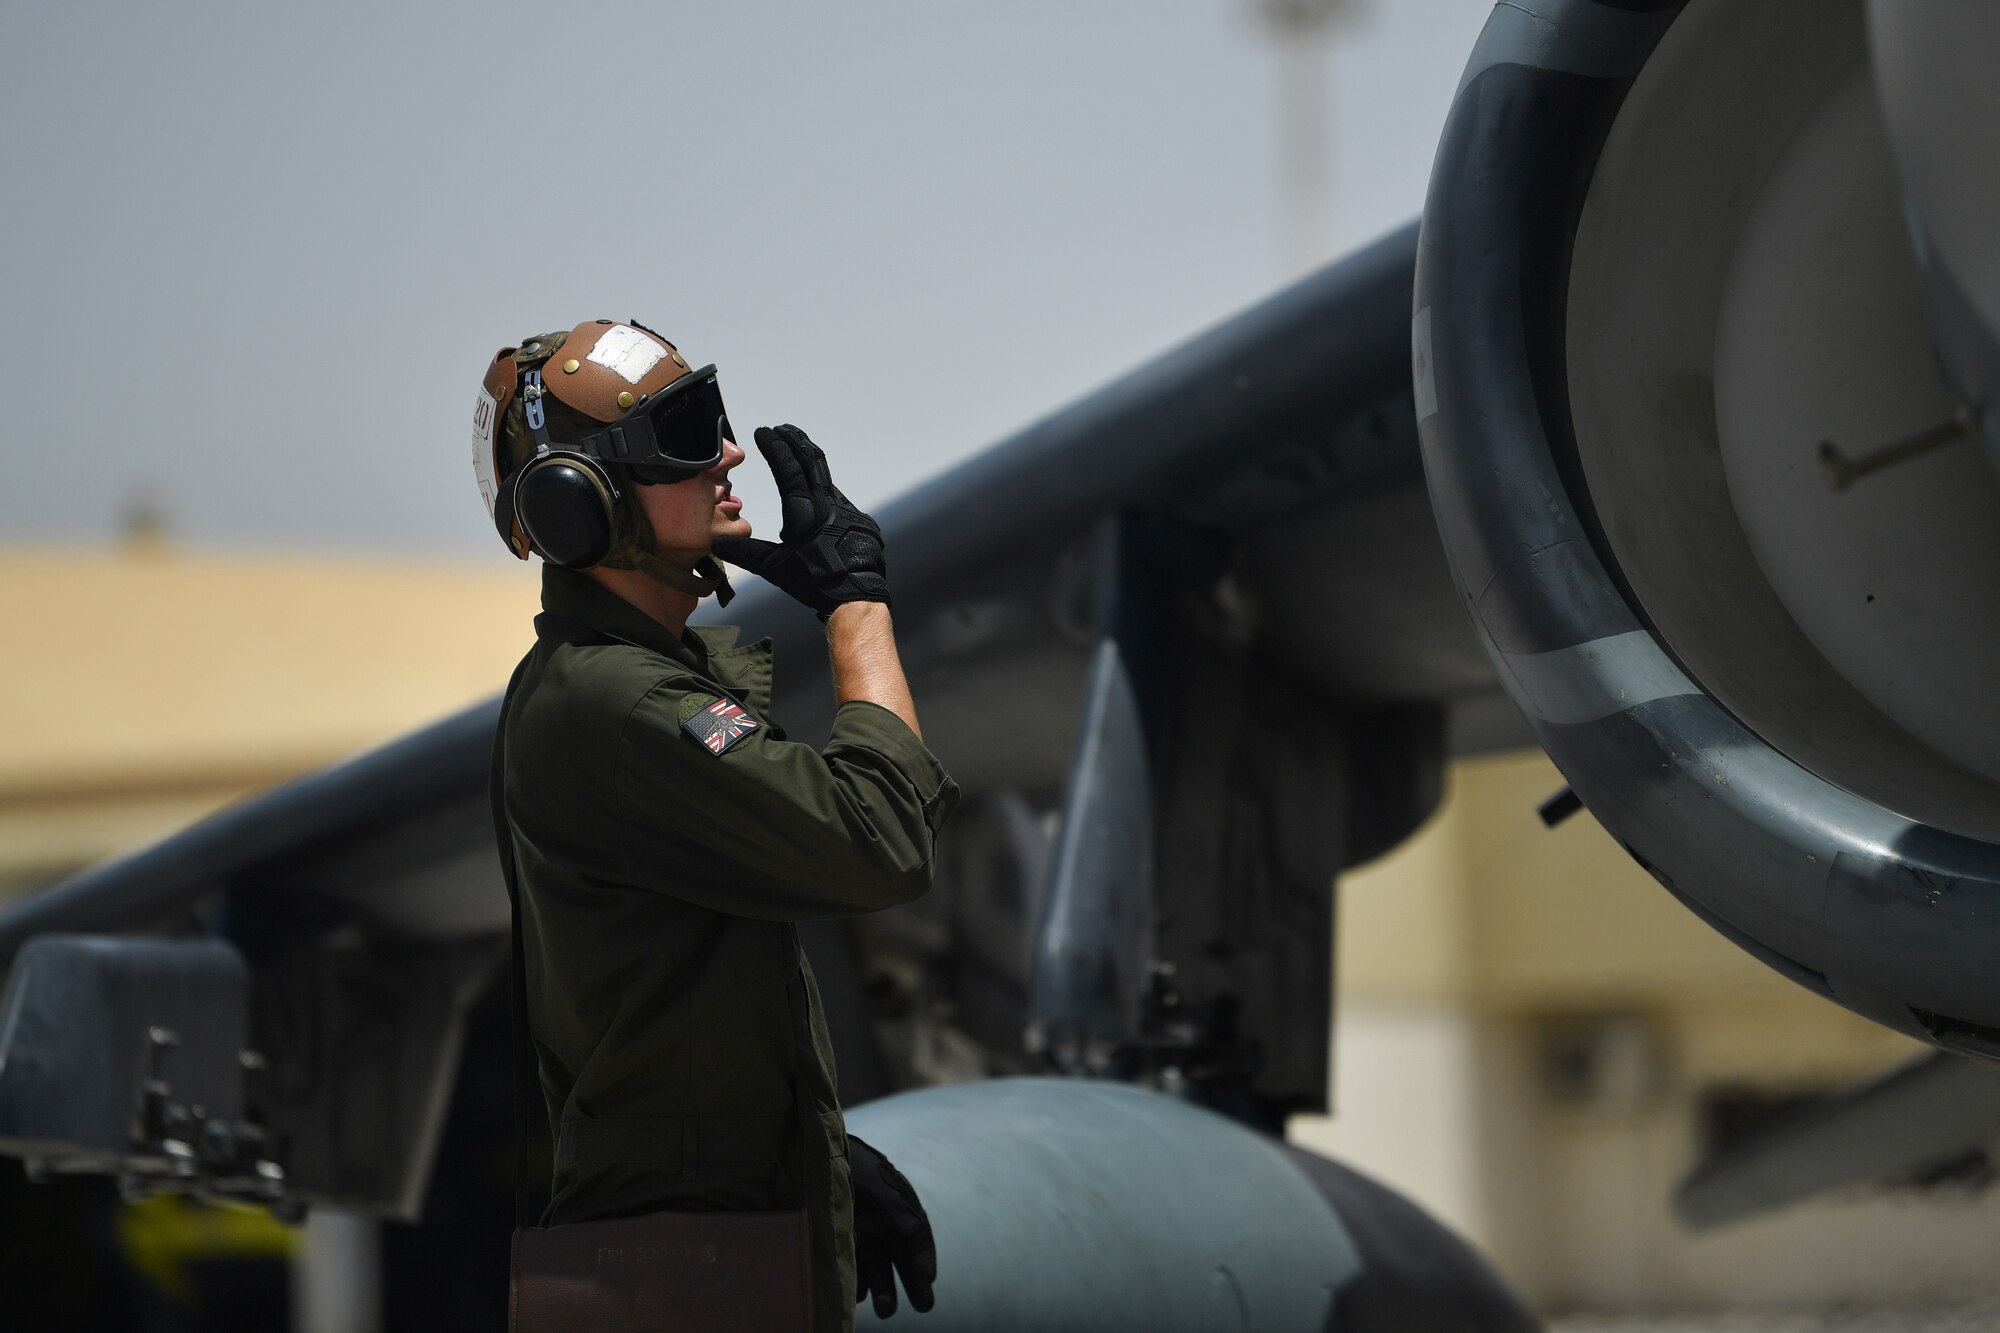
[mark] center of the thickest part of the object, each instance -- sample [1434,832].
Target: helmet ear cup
[564,502]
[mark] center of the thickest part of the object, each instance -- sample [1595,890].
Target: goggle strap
[630,441]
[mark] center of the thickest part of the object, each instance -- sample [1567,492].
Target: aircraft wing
[1268,473]
[1281,445]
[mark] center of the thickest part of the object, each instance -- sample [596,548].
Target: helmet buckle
[531,402]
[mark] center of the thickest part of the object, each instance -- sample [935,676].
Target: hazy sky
[257,256]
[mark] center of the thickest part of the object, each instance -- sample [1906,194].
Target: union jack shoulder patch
[719,725]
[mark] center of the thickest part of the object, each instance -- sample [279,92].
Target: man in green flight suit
[665,837]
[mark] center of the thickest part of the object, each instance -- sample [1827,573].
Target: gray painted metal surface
[1933,68]
[1278,448]
[1077,1205]
[75,1049]
[1090,950]
[1595,679]
[1739,288]
[1895,919]
[1287,424]
[1569,36]
[1094,939]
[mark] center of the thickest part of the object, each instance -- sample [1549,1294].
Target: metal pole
[1300,29]
[337,1277]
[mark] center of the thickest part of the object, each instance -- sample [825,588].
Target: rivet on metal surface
[570,366]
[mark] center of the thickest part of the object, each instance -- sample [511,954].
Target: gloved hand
[831,552]
[890,1229]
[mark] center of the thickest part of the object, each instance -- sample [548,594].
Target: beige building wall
[146,687]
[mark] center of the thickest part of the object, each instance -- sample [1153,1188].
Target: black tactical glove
[890,1228]
[831,552]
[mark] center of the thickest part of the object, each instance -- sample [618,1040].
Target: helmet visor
[671,436]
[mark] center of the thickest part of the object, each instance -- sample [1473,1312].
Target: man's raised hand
[829,552]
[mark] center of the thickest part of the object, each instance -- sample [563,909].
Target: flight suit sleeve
[775,829]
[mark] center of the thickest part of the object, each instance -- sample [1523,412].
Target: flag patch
[720,725]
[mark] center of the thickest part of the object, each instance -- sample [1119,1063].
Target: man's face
[687,516]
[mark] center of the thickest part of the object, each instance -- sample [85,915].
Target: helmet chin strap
[706,577]
[636,551]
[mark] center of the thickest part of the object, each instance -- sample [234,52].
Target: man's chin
[735,527]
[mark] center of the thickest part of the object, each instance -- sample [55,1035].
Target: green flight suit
[683,1056]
